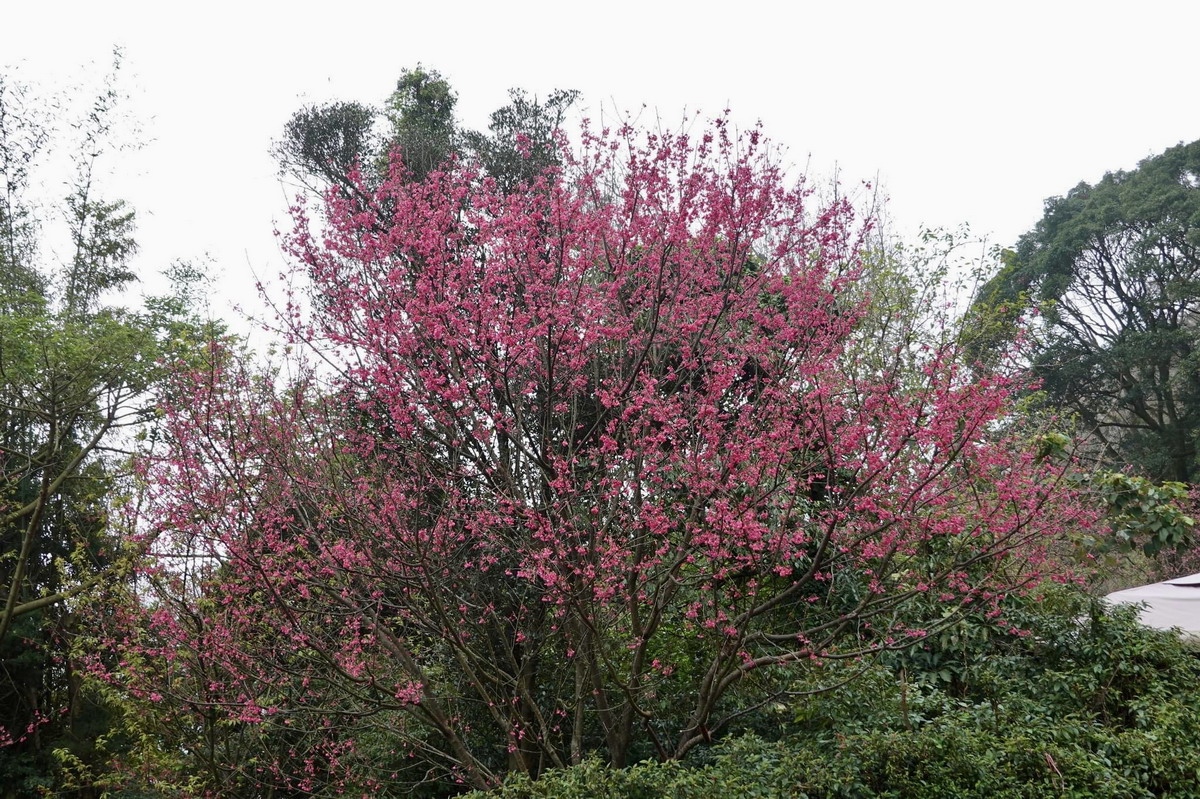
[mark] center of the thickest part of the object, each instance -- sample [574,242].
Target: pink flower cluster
[568,464]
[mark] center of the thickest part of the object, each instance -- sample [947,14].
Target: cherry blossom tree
[592,465]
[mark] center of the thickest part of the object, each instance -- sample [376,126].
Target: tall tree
[322,145]
[1115,269]
[585,470]
[522,142]
[421,113]
[24,133]
[76,374]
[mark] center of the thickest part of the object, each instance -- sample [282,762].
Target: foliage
[1115,269]
[524,138]
[76,380]
[421,111]
[322,146]
[1146,515]
[586,466]
[1081,702]
[326,143]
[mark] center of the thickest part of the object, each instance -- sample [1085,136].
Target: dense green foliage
[421,113]
[321,145]
[1115,268]
[1145,515]
[1080,702]
[77,378]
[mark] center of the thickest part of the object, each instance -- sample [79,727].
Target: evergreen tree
[1115,268]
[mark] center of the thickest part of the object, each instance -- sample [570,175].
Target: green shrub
[1065,698]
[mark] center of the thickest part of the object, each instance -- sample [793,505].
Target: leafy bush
[1065,698]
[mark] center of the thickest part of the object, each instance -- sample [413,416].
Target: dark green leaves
[1115,270]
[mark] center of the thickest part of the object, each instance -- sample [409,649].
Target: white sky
[968,112]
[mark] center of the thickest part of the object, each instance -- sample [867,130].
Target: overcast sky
[967,112]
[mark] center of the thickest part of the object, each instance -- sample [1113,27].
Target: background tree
[321,145]
[585,470]
[76,375]
[1115,268]
[23,135]
[522,142]
[421,113]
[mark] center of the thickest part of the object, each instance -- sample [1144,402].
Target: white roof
[1172,603]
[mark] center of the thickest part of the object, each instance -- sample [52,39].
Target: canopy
[1172,603]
